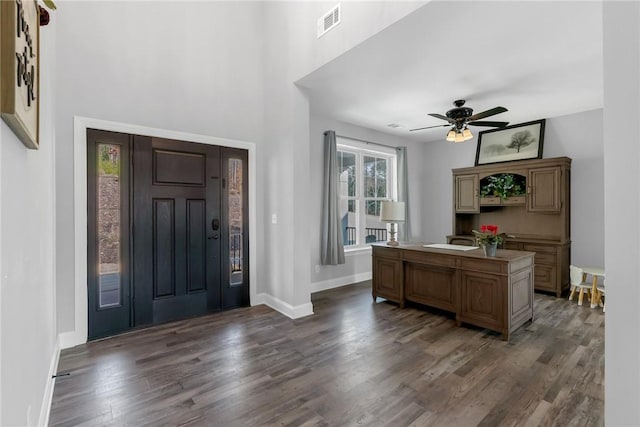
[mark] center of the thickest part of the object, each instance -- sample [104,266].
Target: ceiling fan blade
[428,127]
[491,112]
[440,116]
[490,124]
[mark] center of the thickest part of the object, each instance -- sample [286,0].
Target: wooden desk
[595,272]
[491,292]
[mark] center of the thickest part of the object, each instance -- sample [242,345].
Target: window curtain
[332,251]
[404,230]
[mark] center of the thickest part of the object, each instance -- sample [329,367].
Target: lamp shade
[392,212]
[451,136]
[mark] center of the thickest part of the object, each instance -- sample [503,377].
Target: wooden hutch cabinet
[538,220]
[467,194]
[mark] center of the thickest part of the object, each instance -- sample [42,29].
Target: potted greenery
[503,186]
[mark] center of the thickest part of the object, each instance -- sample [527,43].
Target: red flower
[488,234]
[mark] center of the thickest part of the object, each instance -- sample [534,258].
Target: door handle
[214,237]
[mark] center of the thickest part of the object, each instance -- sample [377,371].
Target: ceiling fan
[460,117]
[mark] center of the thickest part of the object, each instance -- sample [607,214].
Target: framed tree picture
[517,142]
[20,69]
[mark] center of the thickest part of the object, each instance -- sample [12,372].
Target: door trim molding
[80,126]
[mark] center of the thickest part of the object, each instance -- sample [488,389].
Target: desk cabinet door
[432,286]
[482,299]
[545,277]
[388,279]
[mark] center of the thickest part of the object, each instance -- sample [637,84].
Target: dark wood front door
[187,246]
[176,216]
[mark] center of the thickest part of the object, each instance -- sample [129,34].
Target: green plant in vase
[504,186]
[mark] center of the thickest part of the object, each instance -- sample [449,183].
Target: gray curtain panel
[332,245]
[404,231]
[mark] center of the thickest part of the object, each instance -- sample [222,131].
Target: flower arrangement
[488,235]
[503,185]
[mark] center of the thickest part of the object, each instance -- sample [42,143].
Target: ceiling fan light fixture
[451,136]
[460,116]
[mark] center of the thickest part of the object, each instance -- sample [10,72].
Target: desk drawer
[544,258]
[484,265]
[549,249]
[514,246]
[430,258]
[387,252]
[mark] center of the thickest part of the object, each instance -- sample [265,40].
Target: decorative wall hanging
[517,142]
[20,69]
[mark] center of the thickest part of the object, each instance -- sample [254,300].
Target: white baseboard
[71,339]
[294,312]
[339,281]
[45,408]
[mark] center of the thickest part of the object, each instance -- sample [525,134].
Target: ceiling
[538,59]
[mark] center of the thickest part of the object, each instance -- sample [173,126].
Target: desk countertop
[501,254]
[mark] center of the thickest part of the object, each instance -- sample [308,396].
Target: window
[236,221]
[109,234]
[367,177]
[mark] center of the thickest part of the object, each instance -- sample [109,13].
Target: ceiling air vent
[329,20]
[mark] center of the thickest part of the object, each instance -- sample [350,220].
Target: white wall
[578,136]
[358,263]
[621,32]
[223,69]
[192,67]
[197,68]
[437,189]
[28,339]
[293,50]
[359,21]
[620,29]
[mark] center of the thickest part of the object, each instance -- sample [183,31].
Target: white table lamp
[392,213]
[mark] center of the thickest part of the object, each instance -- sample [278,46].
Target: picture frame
[20,69]
[517,142]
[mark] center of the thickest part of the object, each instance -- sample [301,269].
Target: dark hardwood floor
[352,363]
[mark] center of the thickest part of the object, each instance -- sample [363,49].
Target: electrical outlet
[317,268]
[274,219]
